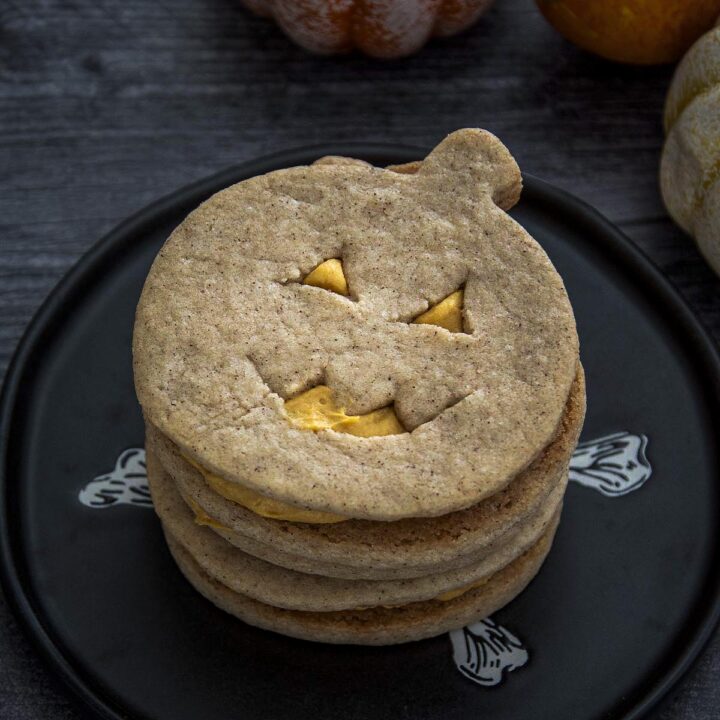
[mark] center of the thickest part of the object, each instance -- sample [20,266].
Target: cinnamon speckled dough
[387,550]
[278,586]
[225,332]
[374,626]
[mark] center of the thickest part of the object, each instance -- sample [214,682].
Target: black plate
[626,600]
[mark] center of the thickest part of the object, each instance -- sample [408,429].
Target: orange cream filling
[447,313]
[202,518]
[261,504]
[328,275]
[316,410]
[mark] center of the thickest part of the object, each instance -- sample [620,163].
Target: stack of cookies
[362,392]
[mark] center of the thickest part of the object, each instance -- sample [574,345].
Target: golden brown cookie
[290,589]
[387,550]
[227,333]
[373,626]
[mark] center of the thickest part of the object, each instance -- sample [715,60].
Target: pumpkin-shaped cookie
[357,342]
[690,165]
[381,28]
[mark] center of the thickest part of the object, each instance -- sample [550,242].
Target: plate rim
[101,252]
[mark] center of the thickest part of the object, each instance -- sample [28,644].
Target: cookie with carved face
[349,342]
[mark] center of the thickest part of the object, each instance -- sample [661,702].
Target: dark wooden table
[106,105]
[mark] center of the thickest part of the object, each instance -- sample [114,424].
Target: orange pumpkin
[642,32]
[381,28]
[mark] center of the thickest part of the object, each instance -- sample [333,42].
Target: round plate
[627,598]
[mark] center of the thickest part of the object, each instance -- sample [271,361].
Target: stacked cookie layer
[362,393]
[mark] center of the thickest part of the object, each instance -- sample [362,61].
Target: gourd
[690,164]
[642,32]
[380,28]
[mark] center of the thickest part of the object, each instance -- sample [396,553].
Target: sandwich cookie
[362,391]
[229,338]
[377,625]
[382,550]
[262,581]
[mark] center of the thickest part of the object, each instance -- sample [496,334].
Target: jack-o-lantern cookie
[359,343]
[362,392]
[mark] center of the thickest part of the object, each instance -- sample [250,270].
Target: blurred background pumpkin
[380,28]
[690,164]
[642,32]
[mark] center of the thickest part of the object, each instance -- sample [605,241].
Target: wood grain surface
[105,105]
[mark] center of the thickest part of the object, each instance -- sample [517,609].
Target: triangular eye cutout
[447,313]
[328,275]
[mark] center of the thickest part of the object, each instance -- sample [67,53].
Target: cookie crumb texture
[377,625]
[294,589]
[367,549]
[227,332]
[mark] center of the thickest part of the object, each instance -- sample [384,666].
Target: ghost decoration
[485,651]
[614,465]
[125,485]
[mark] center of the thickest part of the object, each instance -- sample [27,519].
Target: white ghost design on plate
[125,485]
